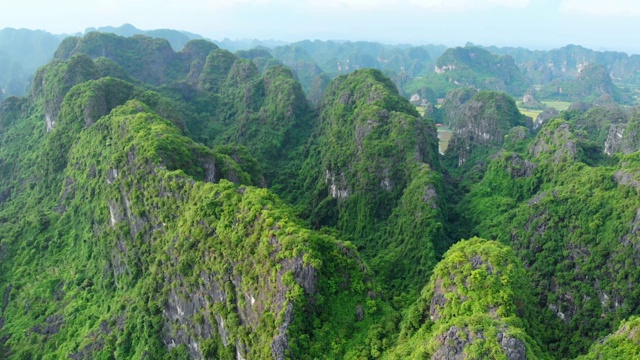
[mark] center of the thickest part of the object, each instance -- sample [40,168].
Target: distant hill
[192,204]
[247,44]
[565,62]
[22,51]
[592,83]
[313,59]
[475,67]
[336,57]
[176,38]
[423,72]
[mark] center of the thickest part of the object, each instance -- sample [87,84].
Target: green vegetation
[472,66]
[533,114]
[593,83]
[382,191]
[478,297]
[172,205]
[623,344]
[567,221]
[480,121]
[126,231]
[177,39]
[558,105]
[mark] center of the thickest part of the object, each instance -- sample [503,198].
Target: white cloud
[627,8]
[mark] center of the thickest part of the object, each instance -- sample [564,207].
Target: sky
[535,24]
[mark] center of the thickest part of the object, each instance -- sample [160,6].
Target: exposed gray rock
[115,213]
[628,178]
[430,196]
[624,133]
[359,312]
[452,344]
[613,144]
[536,199]
[518,167]
[518,134]
[112,175]
[530,102]
[542,118]
[454,341]
[565,308]
[7,293]
[50,121]
[51,326]
[363,130]
[185,303]
[452,106]
[209,167]
[280,344]
[560,143]
[338,187]
[632,238]
[438,301]
[513,348]
[184,306]
[482,122]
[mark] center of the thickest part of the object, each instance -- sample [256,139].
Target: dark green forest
[163,201]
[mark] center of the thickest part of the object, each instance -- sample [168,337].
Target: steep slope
[176,38]
[220,99]
[134,246]
[261,58]
[141,215]
[623,344]
[624,137]
[143,58]
[371,172]
[566,62]
[592,83]
[267,113]
[311,60]
[300,62]
[599,121]
[476,67]
[574,226]
[477,305]
[480,122]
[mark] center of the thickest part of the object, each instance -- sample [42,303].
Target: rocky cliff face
[547,114]
[560,194]
[481,123]
[172,256]
[556,140]
[147,59]
[368,148]
[622,344]
[568,61]
[592,84]
[477,67]
[623,137]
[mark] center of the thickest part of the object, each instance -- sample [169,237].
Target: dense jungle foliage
[202,204]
